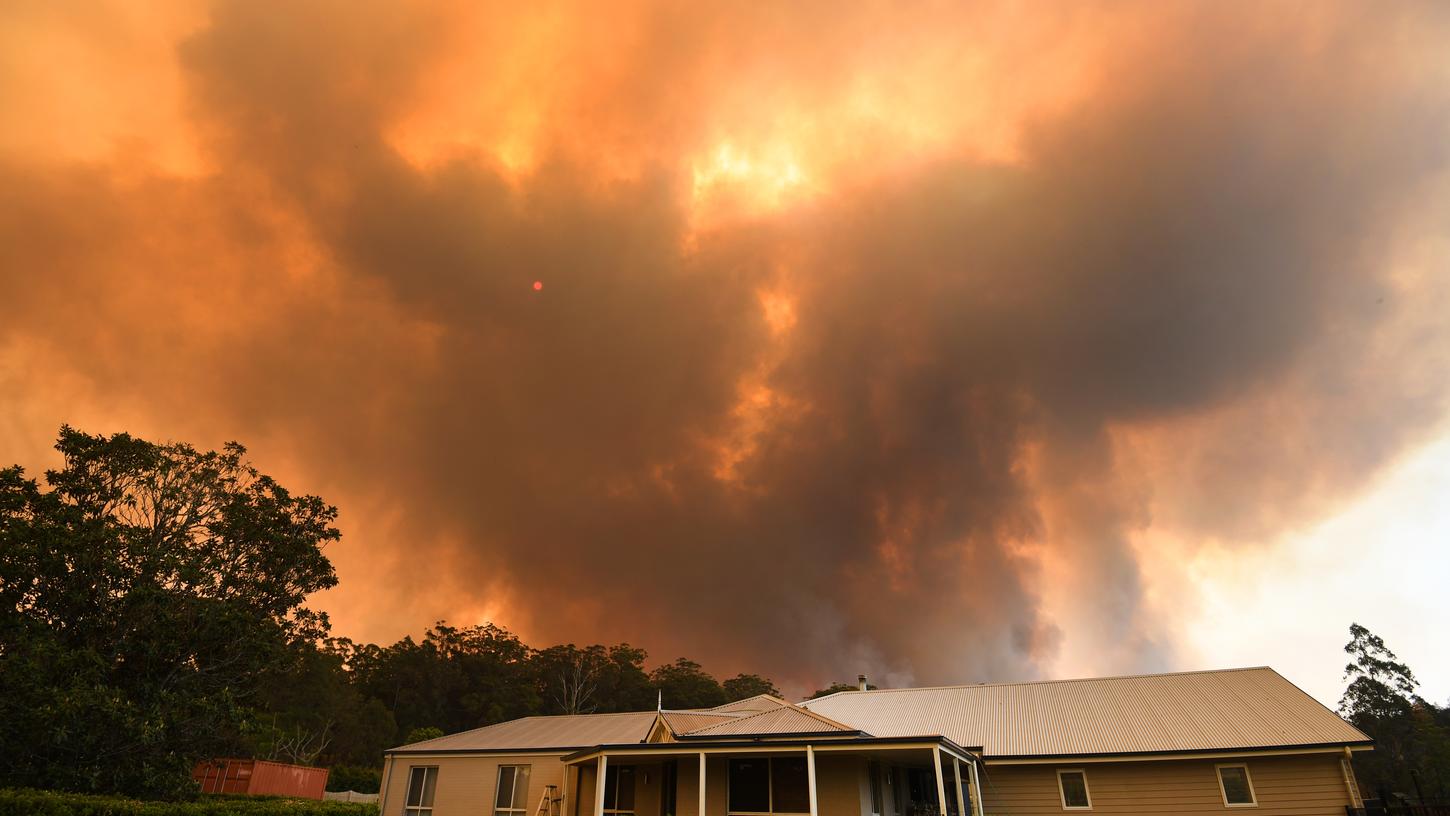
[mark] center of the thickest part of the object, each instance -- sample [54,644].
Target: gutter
[1313,747]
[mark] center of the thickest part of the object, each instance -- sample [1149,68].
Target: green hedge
[354,778]
[25,802]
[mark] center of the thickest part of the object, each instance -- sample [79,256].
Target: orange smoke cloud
[870,339]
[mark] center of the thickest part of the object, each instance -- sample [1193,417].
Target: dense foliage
[154,616]
[1412,735]
[361,779]
[22,802]
[149,593]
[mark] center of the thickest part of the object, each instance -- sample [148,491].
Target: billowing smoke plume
[865,341]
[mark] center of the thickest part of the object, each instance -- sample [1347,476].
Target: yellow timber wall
[1303,785]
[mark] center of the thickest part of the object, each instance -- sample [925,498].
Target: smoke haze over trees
[154,615]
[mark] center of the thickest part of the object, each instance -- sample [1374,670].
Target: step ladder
[547,802]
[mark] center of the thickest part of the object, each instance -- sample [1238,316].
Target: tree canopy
[1412,735]
[153,588]
[838,687]
[160,618]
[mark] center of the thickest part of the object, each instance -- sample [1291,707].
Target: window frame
[1248,780]
[619,771]
[1062,791]
[420,809]
[769,790]
[522,810]
[877,787]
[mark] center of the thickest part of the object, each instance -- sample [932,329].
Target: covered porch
[863,776]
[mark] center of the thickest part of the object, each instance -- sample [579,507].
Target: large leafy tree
[742,686]
[686,684]
[594,679]
[147,590]
[1412,746]
[309,712]
[454,679]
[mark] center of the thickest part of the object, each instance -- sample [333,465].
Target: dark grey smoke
[1211,239]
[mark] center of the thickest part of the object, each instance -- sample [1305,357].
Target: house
[1193,742]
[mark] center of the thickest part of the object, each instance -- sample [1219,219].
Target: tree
[685,684]
[625,686]
[569,677]
[152,588]
[421,734]
[838,687]
[1412,747]
[455,678]
[592,679]
[310,712]
[742,686]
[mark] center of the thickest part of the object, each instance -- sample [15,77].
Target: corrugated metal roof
[1189,711]
[563,731]
[784,720]
[682,722]
[760,702]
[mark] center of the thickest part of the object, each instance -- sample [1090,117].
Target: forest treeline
[153,614]
[343,703]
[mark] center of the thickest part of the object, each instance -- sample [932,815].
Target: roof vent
[861,682]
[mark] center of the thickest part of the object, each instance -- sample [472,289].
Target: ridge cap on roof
[787,707]
[764,694]
[805,703]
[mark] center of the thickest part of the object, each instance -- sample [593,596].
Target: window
[421,782]
[790,790]
[1074,788]
[1237,787]
[873,770]
[769,786]
[619,790]
[511,798]
[749,786]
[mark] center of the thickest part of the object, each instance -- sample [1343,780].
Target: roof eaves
[1179,752]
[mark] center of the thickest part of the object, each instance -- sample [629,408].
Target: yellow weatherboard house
[1192,742]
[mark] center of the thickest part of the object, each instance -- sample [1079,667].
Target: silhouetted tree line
[1412,735]
[152,614]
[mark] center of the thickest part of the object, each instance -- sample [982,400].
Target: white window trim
[1062,792]
[519,811]
[1248,778]
[419,809]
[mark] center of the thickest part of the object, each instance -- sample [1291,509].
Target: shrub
[354,778]
[29,802]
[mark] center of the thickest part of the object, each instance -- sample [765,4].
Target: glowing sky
[942,342]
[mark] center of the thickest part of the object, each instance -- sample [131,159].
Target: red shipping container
[260,777]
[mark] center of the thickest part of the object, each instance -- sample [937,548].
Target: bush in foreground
[28,802]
